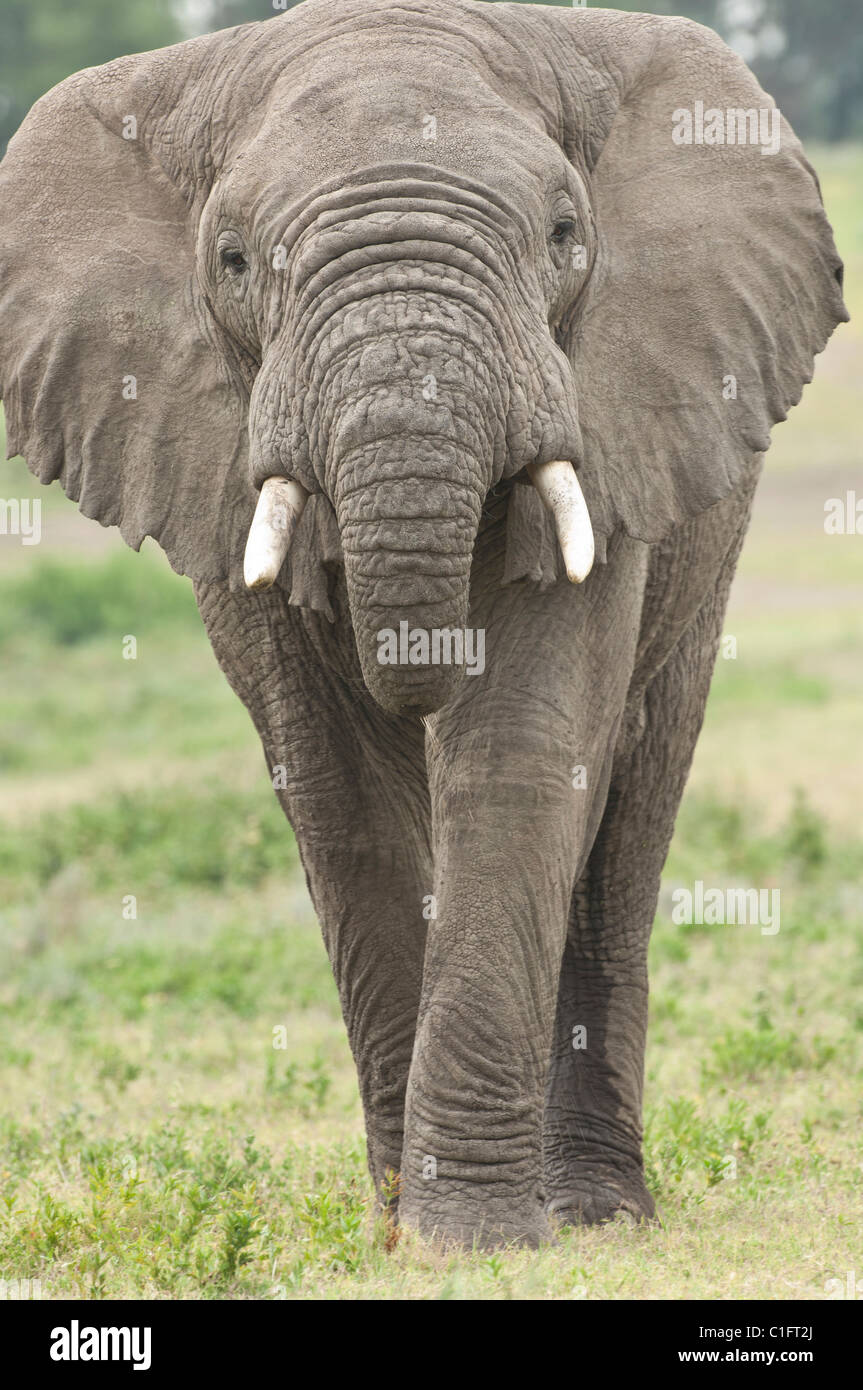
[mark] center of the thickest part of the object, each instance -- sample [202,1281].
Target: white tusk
[279,508]
[561,492]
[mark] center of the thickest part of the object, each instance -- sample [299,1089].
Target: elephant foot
[480,1230]
[594,1202]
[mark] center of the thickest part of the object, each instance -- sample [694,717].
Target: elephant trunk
[408,545]
[415,437]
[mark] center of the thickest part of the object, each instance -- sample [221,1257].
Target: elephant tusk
[279,508]
[561,492]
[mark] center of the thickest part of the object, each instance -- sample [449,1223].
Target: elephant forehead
[338,111]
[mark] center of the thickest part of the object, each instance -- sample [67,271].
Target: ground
[157,941]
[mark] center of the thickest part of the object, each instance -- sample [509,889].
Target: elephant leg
[352,782]
[509,831]
[592,1146]
[368,866]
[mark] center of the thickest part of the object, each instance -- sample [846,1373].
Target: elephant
[439,319]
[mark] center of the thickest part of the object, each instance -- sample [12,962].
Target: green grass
[69,604]
[207,836]
[158,1140]
[181,1117]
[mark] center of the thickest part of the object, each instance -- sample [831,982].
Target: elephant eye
[561,230]
[234,260]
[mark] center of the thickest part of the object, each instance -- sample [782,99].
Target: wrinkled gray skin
[406,258]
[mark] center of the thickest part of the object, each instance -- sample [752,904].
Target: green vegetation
[158,1141]
[65,604]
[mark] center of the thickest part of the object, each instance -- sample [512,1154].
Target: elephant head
[315,286]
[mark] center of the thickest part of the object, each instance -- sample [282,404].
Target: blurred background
[154,924]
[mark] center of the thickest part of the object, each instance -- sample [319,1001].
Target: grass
[204,836]
[181,1117]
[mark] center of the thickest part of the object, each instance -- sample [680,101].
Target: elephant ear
[111,375]
[716,281]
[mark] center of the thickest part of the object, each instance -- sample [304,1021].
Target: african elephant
[418,310]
